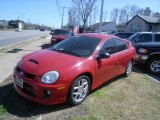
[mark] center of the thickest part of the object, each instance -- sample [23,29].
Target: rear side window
[120,45]
[109,46]
[144,38]
[157,37]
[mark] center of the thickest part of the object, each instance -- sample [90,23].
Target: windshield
[131,38]
[81,46]
[62,32]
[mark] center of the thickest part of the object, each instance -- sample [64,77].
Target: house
[121,28]
[4,23]
[105,27]
[141,23]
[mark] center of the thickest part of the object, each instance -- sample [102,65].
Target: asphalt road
[12,37]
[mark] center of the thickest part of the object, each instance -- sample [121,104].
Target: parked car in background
[59,35]
[42,29]
[147,46]
[148,53]
[70,69]
[124,35]
[141,37]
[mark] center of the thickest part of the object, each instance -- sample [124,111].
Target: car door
[122,55]
[106,67]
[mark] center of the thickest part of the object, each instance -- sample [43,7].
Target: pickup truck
[149,53]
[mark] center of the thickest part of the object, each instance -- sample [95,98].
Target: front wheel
[154,65]
[79,90]
[128,68]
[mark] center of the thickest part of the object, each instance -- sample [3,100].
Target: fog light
[47,93]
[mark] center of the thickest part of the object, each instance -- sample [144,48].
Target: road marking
[21,42]
[148,75]
[152,78]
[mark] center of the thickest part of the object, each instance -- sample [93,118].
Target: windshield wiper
[66,51]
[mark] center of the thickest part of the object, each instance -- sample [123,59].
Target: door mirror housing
[102,55]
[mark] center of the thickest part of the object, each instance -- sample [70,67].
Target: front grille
[25,74]
[27,89]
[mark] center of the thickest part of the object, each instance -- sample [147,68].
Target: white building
[4,23]
[106,27]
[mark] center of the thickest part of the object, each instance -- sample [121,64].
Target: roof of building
[148,19]
[96,25]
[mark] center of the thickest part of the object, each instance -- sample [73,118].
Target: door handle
[117,62]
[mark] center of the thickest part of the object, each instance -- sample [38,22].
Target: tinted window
[62,32]
[81,46]
[157,37]
[109,46]
[131,38]
[124,35]
[144,38]
[120,45]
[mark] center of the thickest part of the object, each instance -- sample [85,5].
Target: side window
[120,45]
[144,38]
[109,46]
[157,37]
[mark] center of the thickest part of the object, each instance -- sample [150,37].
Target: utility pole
[62,16]
[101,15]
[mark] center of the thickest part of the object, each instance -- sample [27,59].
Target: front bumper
[36,92]
[141,58]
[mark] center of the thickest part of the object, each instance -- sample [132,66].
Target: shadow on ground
[19,106]
[45,46]
[16,105]
[140,68]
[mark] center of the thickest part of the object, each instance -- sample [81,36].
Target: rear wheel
[154,65]
[79,90]
[128,68]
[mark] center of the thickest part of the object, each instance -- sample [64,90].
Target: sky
[46,12]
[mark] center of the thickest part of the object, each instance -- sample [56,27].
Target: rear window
[62,32]
[157,37]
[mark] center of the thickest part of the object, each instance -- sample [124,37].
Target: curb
[22,42]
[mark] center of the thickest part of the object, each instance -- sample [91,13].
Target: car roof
[98,35]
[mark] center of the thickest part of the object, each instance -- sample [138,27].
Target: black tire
[152,67]
[128,70]
[70,96]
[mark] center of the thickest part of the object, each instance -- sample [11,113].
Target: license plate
[19,82]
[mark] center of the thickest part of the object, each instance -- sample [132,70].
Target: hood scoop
[34,61]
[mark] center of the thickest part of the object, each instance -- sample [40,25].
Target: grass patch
[134,97]
[2,110]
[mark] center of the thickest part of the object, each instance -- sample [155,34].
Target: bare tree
[114,14]
[122,16]
[84,8]
[105,16]
[95,14]
[128,12]
[72,17]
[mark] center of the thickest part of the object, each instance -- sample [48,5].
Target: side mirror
[102,55]
[51,33]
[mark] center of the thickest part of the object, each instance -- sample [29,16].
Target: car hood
[43,61]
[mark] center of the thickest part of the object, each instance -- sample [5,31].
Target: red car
[68,71]
[59,35]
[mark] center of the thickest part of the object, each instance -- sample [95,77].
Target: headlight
[142,50]
[50,77]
